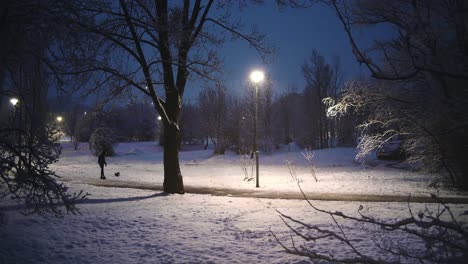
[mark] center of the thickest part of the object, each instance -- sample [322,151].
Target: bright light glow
[85,113]
[14,101]
[257,76]
[159,117]
[59,119]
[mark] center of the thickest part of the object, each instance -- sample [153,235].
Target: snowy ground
[140,226]
[336,171]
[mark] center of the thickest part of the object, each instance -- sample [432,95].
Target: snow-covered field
[119,225]
[336,170]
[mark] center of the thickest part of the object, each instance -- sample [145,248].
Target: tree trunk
[173,182]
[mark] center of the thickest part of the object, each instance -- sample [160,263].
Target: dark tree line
[129,122]
[286,115]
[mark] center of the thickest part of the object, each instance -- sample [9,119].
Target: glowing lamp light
[159,117]
[257,76]
[59,119]
[14,101]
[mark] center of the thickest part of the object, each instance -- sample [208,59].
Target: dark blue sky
[295,33]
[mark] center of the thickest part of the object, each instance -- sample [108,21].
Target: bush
[102,139]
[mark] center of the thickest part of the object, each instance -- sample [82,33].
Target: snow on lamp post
[256,77]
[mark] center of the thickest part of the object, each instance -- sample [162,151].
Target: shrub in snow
[247,164]
[102,139]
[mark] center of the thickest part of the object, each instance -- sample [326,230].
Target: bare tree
[152,47]
[234,122]
[249,100]
[267,96]
[439,235]
[422,95]
[191,123]
[71,121]
[213,105]
[321,81]
[289,115]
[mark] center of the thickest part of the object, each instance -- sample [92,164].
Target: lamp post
[59,120]
[256,77]
[161,130]
[14,101]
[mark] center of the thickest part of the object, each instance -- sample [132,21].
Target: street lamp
[59,120]
[14,101]
[256,77]
[161,130]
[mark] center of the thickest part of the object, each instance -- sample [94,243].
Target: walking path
[259,193]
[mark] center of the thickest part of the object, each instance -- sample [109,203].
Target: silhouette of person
[102,162]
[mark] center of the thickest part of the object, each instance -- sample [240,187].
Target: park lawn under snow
[120,225]
[336,170]
[140,226]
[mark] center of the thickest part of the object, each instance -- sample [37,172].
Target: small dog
[117,174]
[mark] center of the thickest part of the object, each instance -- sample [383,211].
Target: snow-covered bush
[102,139]
[418,88]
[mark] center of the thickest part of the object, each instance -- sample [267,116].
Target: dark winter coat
[102,160]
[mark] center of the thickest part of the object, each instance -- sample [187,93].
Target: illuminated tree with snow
[418,92]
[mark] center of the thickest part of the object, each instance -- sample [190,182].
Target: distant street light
[14,101]
[256,77]
[59,119]
[161,130]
